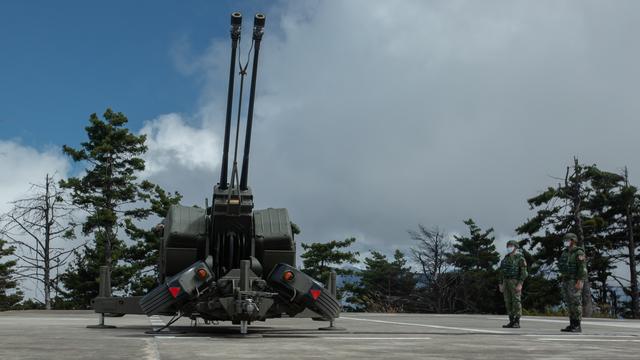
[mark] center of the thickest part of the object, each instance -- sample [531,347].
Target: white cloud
[372,116]
[172,142]
[22,165]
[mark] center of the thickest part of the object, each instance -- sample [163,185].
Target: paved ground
[63,335]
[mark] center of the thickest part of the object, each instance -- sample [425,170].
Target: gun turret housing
[227,261]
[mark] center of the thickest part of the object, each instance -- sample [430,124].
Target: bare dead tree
[431,253]
[37,224]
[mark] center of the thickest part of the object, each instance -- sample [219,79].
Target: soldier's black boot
[570,327]
[510,324]
[576,326]
[516,322]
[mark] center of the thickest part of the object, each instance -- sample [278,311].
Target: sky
[371,116]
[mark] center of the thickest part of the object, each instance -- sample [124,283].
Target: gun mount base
[331,327]
[101,324]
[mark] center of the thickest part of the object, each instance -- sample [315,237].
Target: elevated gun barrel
[258,30]
[236,24]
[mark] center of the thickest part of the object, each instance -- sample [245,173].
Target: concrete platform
[63,335]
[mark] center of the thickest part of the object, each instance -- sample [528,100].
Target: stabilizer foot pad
[332,328]
[243,336]
[100,327]
[165,332]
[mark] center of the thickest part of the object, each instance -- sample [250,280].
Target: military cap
[570,236]
[514,243]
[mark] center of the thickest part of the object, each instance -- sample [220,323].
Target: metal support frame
[332,287]
[244,286]
[103,291]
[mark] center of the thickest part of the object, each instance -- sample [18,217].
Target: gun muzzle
[236,19]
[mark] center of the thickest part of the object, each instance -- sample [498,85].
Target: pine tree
[625,216]
[143,255]
[540,293]
[601,226]
[405,279]
[319,259]
[10,295]
[112,197]
[631,204]
[384,286]
[81,278]
[578,205]
[475,257]
[476,251]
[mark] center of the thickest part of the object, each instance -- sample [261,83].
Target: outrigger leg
[333,291]
[104,291]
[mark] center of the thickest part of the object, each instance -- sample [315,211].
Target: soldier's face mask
[567,243]
[510,249]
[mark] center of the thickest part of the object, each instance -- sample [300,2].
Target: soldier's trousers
[572,298]
[512,297]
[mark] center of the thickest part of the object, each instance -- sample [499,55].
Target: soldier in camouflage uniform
[573,272]
[513,272]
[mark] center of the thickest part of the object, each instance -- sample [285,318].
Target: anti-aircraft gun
[227,261]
